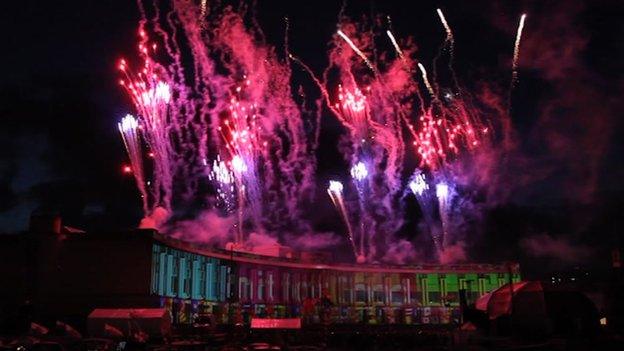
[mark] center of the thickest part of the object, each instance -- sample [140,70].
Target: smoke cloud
[207,228]
[561,249]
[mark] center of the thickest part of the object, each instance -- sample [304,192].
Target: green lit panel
[452,282]
[434,292]
[433,282]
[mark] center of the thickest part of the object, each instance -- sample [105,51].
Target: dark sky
[59,104]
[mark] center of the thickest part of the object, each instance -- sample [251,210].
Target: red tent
[527,296]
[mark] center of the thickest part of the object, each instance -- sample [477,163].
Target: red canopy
[498,302]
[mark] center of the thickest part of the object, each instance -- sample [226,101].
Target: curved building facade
[69,273]
[232,286]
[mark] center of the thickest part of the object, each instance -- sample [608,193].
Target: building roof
[251,258]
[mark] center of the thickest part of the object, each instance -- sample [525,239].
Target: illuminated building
[73,273]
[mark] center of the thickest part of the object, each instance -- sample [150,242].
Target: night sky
[60,102]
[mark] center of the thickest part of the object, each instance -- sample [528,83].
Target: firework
[151,97]
[357,51]
[129,130]
[353,112]
[443,194]
[426,201]
[359,171]
[449,33]
[241,135]
[335,193]
[224,181]
[516,54]
[417,184]
[423,72]
[232,117]
[395,44]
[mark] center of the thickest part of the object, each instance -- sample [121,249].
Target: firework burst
[234,105]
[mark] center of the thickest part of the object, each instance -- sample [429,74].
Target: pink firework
[441,136]
[130,134]
[151,96]
[234,100]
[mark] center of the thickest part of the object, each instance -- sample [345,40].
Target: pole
[511,296]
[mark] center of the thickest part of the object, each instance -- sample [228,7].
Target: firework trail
[282,144]
[335,193]
[357,51]
[374,135]
[373,118]
[395,44]
[240,168]
[423,73]
[420,188]
[234,99]
[359,173]
[129,130]
[203,7]
[446,132]
[240,132]
[224,181]
[151,97]
[444,202]
[449,33]
[449,42]
[516,54]
[353,111]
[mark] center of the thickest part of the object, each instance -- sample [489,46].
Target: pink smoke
[155,220]
[400,252]
[260,240]
[207,228]
[313,241]
[561,249]
[453,253]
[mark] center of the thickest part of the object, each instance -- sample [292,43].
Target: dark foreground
[338,337]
